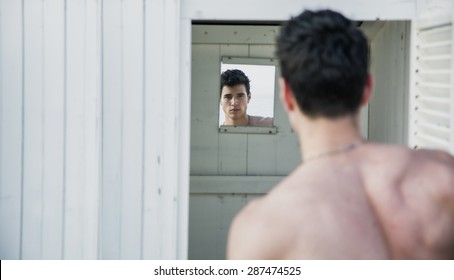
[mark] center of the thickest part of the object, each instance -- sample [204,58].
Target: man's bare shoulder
[413,194]
[269,227]
[259,231]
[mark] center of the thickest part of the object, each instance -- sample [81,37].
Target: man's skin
[374,201]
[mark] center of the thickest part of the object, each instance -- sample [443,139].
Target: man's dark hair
[324,58]
[235,77]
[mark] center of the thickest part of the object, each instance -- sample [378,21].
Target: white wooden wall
[49,144]
[91,112]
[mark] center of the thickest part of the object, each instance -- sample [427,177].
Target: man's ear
[248,97]
[286,94]
[367,90]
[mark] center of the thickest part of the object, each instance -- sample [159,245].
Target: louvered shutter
[431,95]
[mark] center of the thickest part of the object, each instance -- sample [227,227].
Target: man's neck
[243,121]
[324,136]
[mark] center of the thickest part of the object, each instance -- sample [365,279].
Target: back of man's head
[324,59]
[235,77]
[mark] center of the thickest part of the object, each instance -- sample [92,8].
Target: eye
[240,95]
[228,96]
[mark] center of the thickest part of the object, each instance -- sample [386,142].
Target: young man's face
[234,102]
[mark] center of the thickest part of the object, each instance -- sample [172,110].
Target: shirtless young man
[349,199]
[235,97]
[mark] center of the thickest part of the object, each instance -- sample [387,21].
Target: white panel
[287,153]
[233,50]
[261,154]
[234,34]
[122,129]
[112,129]
[43,130]
[53,121]
[205,109]
[131,216]
[278,10]
[33,131]
[215,200]
[183,141]
[208,230]
[82,129]
[11,114]
[263,50]
[162,130]
[233,154]
[389,65]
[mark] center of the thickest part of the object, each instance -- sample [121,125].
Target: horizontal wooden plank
[234,34]
[233,184]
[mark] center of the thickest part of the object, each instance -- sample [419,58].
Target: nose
[234,101]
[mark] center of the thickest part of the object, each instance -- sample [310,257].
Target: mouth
[234,110]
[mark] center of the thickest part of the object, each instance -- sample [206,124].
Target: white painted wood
[237,34]
[113,129]
[432,99]
[288,152]
[53,134]
[268,11]
[11,133]
[261,154]
[204,117]
[122,129]
[209,228]
[264,50]
[233,184]
[388,120]
[82,180]
[266,130]
[132,184]
[162,130]
[33,131]
[184,142]
[233,154]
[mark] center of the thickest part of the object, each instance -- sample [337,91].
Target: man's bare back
[373,202]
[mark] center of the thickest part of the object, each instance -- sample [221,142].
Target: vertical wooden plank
[112,128]
[132,136]
[53,122]
[92,132]
[205,109]
[33,131]
[184,139]
[153,147]
[11,117]
[162,129]
[82,129]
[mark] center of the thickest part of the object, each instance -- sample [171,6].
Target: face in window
[234,102]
